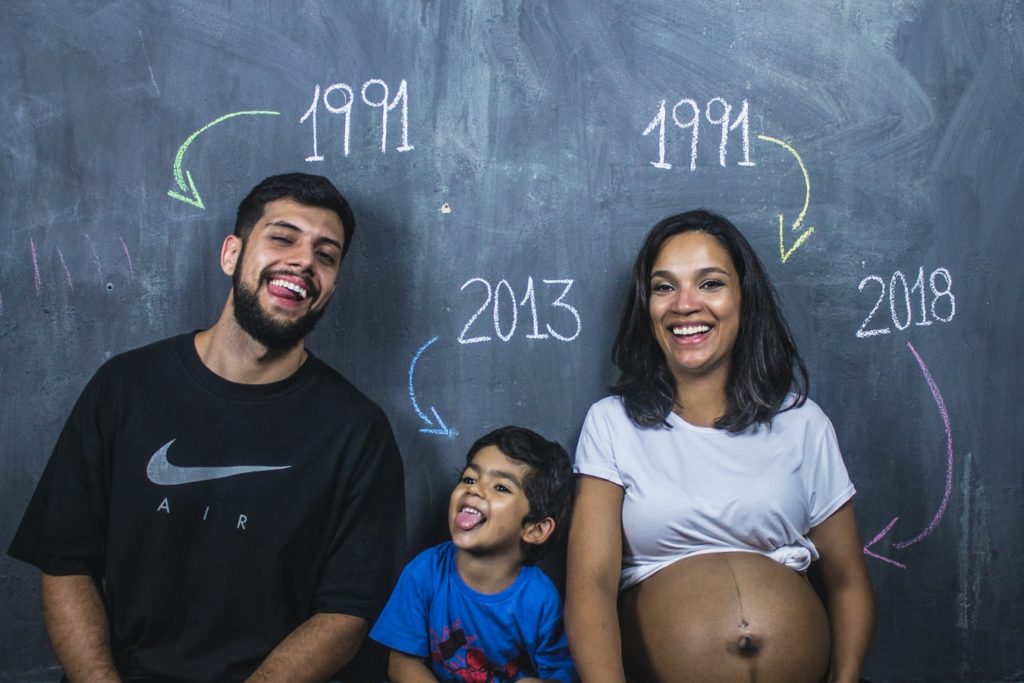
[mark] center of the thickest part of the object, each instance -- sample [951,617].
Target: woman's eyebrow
[700,271]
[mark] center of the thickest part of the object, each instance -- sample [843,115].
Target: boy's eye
[501,488]
[468,480]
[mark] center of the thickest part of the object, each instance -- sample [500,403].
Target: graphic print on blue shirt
[452,649]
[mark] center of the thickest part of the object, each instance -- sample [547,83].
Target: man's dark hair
[549,483]
[304,188]
[765,362]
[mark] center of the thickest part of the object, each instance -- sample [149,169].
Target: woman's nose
[685,301]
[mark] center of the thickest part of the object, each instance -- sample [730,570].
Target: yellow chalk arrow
[803,212]
[191,194]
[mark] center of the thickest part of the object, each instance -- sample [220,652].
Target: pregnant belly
[724,617]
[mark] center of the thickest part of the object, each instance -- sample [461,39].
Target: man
[222,505]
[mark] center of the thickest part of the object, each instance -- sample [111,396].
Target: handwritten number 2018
[902,302]
[504,300]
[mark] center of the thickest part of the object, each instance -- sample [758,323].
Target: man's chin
[267,329]
[274,334]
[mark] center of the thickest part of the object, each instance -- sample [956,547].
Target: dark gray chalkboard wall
[516,154]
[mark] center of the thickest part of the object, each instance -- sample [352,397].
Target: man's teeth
[690,329]
[287,284]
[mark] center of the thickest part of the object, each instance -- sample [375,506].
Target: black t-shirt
[219,516]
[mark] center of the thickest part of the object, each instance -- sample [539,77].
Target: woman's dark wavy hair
[765,363]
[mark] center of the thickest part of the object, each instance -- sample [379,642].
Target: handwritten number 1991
[717,112]
[338,99]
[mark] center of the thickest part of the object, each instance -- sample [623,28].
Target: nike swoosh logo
[163,473]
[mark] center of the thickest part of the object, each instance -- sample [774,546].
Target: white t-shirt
[693,490]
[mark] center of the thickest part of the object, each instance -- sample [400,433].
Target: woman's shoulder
[794,412]
[608,416]
[610,411]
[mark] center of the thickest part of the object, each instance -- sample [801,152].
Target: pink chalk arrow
[934,523]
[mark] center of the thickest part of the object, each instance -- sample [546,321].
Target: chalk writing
[937,517]
[39,271]
[188,193]
[338,99]
[35,267]
[942,306]
[67,273]
[691,112]
[505,330]
[124,247]
[440,428]
[784,253]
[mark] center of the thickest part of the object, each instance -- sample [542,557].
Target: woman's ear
[537,533]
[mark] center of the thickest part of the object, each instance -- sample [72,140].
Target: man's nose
[301,256]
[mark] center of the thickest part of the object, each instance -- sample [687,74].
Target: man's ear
[537,533]
[229,252]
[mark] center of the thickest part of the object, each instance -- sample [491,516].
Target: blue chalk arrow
[442,429]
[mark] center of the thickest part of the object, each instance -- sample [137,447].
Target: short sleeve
[826,480]
[403,624]
[64,530]
[369,538]
[595,454]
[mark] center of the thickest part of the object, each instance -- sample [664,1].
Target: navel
[748,645]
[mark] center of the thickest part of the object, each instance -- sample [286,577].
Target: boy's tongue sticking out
[468,518]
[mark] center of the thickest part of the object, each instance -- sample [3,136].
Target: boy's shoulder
[435,559]
[537,584]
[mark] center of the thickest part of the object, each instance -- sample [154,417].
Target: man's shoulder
[338,388]
[142,358]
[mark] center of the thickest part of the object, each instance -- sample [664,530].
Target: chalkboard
[504,160]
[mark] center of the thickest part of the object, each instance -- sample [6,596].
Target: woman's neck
[700,401]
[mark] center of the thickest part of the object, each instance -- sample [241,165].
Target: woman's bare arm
[851,601]
[592,581]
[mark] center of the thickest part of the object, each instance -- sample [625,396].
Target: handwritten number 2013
[502,292]
[902,309]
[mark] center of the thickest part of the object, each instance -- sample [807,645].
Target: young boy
[476,605]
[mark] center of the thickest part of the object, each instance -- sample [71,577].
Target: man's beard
[258,324]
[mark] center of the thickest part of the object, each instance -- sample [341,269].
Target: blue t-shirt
[473,637]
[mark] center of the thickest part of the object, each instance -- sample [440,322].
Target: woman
[708,483]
